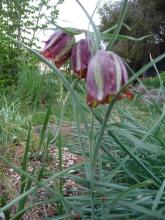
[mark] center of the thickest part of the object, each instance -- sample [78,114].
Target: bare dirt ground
[10,180]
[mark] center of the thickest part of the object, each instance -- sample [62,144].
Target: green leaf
[68,30]
[108,36]
[158,196]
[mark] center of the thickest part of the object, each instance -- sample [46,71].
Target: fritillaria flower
[58,47]
[81,54]
[105,77]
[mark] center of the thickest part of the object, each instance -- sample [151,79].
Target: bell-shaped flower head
[105,77]
[59,47]
[81,54]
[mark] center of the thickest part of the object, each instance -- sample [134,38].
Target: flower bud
[105,77]
[81,54]
[58,47]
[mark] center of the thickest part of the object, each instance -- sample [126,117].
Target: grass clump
[36,88]
[154,82]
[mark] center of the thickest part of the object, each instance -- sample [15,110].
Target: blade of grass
[45,124]
[60,161]
[92,168]
[64,101]
[119,24]
[75,111]
[158,196]
[143,210]
[94,11]
[25,160]
[114,27]
[24,168]
[108,36]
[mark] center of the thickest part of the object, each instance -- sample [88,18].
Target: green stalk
[24,168]
[119,24]
[92,168]
[75,109]
[60,161]
[46,120]
[96,32]
[104,124]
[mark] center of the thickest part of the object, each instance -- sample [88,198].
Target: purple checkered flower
[105,77]
[59,47]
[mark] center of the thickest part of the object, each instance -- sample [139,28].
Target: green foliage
[118,177]
[12,123]
[36,88]
[154,82]
[121,147]
[122,187]
[9,61]
[143,18]
[21,20]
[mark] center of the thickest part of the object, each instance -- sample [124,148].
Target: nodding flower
[59,47]
[81,55]
[105,76]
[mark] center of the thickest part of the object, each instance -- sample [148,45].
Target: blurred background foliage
[23,20]
[143,17]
